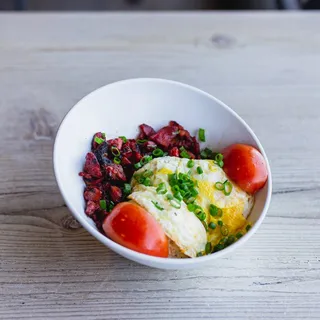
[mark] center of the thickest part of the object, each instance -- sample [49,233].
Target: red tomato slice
[133,227]
[245,166]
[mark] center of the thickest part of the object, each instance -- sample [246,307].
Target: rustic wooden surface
[266,66]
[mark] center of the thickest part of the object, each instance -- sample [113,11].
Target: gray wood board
[265,66]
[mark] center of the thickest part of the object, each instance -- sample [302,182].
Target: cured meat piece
[92,194]
[115,194]
[92,207]
[98,135]
[174,152]
[92,166]
[115,172]
[145,131]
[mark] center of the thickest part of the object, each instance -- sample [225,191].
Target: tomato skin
[133,227]
[245,166]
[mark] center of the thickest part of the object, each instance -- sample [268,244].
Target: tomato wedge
[133,227]
[245,166]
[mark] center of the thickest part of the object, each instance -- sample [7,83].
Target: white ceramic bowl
[118,109]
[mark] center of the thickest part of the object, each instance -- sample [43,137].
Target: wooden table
[265,66]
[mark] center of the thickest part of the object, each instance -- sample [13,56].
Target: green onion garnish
[218,247]
[157,205]
[123,138]
[248,227]
[201,216]
[147,173]
[212,225]
[137,165]
[219,186]
[231,239]
[199,170]
[103,135]
[205,225]
[184,153]
[145,159]
[215,211]
[227,187]
[103,204]
[146,182]
[127,188]
[169,196]
[178,196]
[208,248]
[190,164]
[239,235]
[220,223]
[141,141]
[190,200]
[117,160]
[98,140]
[157,152]
[224,230]
[115,151]
[218,157]
[199,254]
[202,136]
[175,203]
[161,189]
[191,207]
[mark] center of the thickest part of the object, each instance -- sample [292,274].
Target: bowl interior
[118,109]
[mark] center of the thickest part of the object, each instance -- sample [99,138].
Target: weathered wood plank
[265,66]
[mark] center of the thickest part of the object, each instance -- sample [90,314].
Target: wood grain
[265,66]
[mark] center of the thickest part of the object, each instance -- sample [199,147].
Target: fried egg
[180,225]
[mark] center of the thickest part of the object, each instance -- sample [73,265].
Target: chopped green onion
[194,192]
[117,160]
[199,254]
[127,188]
[145,159]
[218,157]
[158,152]
[103,204]
[215,211]
[190,200]
[202,136]
[208,248]
[176,204]
[169,196]
[219,186]
[184,153]
[103,135]
[111,206]
[146,182]
[141,141]
[239,235]
[212,225]
[123,138]
[248,227]
[98,140]
[191,207]
[115,151]
[224,230]
[231,239]
[218,247]
[175,188]
[165,154]
[220,223]
[137,165]
[157,205]
[201,216]
[199,170]
[227,187]
[205,225]
[161,189]
[178,196]
[220,164]
[190,164]
[147,173]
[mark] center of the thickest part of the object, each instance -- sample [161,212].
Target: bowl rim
[137,256]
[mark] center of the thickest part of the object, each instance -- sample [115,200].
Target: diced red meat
[174,152]
[196,147]
[117,142]
[125,161]
[165,137]
[115,172]
[133,145]
[92,193]
[126,150]
[92,166]
[192,156]
[115,194]
[176,125]
[149,146]
[99,135]
[145,131]
[92,207]
[137,156]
